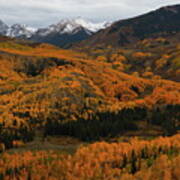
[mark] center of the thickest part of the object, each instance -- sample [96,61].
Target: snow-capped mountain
[63,27]
[3,28]
[20,31]
[94,27]
[71,26]
[62,34]
[67,31]
[16,30]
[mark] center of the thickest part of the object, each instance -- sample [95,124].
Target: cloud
[44,12]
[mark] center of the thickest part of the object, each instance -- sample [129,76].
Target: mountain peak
[94,27]
[70,24]
[20,30]
[65,26]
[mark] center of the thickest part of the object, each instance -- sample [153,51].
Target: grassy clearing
[64,145]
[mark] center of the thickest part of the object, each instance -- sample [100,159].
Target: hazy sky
[40,13]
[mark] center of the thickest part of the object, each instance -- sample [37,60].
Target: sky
[41,13]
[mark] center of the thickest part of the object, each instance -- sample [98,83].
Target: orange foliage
[98,161]
[141,55]
[43,82]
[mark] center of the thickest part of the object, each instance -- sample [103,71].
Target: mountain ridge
[161,22]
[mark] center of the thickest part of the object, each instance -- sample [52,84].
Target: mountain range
[61,34]
[161,22]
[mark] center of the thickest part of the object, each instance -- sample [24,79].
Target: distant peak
[84,23]
[19,30]
[24,26]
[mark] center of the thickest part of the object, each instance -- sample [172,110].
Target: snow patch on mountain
[20,30]
[94,27]
[70,26]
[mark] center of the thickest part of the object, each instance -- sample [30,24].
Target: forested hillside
[156,57]
[64,92]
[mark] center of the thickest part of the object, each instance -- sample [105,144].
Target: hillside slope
[156,57]
[66,92]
